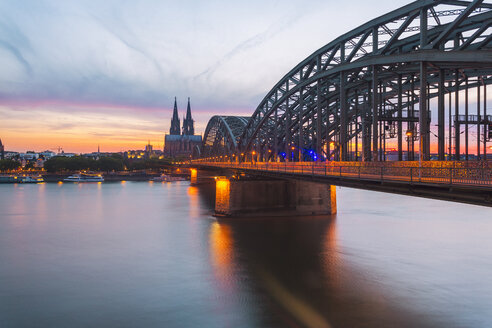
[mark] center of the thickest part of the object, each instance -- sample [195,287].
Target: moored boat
[167,178]
[20,179]
[9,179]
[84,177]
[30,179]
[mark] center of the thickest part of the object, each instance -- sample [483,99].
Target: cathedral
[180,142]
[2,150]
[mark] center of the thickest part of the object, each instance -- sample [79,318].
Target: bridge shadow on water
[299,270]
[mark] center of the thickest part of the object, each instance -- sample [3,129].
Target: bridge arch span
[383,82]
[221,136]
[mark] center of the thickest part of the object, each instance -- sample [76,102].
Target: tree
[110,164]
[8,164]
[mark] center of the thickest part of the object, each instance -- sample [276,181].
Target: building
[47,154]
[175,125]
[149,151]
[188,124]
[178,144]
[2,150]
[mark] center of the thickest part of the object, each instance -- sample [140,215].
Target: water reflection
[298,266]
[194,208]
[221,251]
[151,255]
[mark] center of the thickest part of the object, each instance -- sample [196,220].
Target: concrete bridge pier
[202,177]
[250,197]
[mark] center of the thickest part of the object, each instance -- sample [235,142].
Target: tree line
[111,163]
[9,164]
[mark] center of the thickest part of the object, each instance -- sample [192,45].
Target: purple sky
[108,71]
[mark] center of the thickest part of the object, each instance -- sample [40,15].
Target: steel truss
[222,136]
[374,84]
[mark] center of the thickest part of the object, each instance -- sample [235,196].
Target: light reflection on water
[150,254]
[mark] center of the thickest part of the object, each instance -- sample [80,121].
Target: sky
[76,74]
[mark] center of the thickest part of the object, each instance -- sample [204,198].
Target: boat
[167,178]
[84,177]
[20,179]
[9,179]
[30,179]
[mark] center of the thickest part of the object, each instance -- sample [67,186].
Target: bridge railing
[463,176]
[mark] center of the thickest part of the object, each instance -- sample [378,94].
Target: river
[143,254]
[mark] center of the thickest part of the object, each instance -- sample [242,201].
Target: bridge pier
[236,198]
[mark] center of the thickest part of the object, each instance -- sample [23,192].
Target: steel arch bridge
[376,87]
[222,136]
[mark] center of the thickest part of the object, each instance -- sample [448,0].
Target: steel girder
[221,135]
[371,75]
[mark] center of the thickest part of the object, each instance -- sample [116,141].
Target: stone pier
[235,198]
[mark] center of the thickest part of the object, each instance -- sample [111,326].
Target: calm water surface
[152,255]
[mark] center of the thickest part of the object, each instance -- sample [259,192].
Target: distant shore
[108,177]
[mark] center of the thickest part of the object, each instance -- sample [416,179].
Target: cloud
[252,42]
[17,54]
[126,60]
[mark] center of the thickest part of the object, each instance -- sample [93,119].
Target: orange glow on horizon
[80,128]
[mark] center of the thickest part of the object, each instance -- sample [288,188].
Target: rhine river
[152,255]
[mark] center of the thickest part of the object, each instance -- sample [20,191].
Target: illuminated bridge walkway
[456,181]
[389,91]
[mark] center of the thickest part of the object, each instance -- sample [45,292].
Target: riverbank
[108,177]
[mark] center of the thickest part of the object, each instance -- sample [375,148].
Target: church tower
[2,150]
[188,124]
[175,124]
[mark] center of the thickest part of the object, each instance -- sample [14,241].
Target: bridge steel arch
[376,85]
[222,136]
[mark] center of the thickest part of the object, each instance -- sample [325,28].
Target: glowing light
[221,244]
[222,194]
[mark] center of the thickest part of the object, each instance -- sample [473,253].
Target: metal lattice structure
[222,136]
[381,83]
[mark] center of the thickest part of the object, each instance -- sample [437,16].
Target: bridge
[366,109]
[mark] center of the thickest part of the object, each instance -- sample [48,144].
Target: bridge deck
[480,177]
[463,184]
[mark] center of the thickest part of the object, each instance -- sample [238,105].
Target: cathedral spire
[188,128]
[188,110]
[2,150]
[175,124]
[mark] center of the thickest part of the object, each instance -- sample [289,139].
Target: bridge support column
[193,176]
[202,177]
[236,198]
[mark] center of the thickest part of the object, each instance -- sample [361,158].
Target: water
[151,255]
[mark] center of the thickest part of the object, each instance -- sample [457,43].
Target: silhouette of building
[2,150]
[175,125]
[188,125]
[181,145]
[148,150]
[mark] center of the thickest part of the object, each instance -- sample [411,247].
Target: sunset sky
[76,74]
